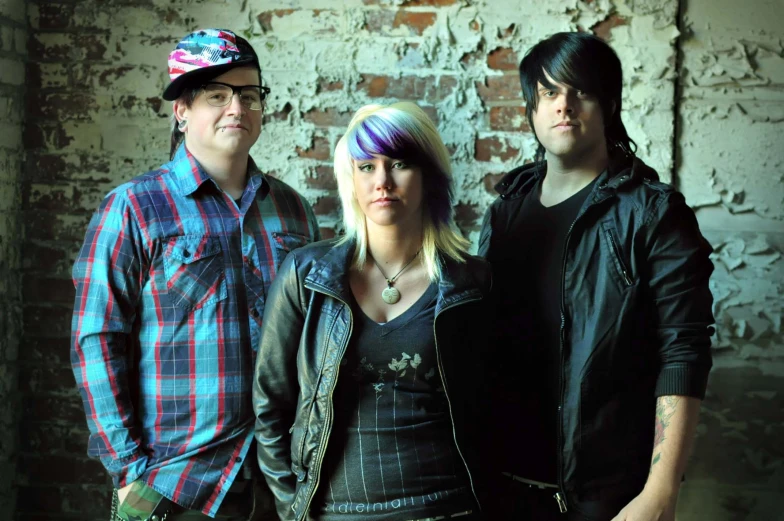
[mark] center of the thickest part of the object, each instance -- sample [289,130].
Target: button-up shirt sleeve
[108,278]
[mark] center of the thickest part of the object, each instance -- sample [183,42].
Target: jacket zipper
[560,496]
[322,448]
[624,272]
[446,393]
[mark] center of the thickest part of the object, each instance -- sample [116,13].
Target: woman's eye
[399,165]
[367,167]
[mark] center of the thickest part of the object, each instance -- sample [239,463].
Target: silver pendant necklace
[391,295]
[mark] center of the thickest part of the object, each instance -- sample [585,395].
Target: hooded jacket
[306,329]
[635,321]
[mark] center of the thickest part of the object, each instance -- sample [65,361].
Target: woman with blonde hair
[369,368]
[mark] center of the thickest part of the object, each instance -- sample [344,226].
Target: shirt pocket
[194,271]
[285,243]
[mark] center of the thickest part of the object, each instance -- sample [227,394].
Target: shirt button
[237,460]
[254,313]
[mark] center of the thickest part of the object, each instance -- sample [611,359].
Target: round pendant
[390,295]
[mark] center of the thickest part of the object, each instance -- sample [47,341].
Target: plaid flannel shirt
[170,291]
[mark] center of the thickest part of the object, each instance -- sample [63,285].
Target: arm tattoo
[665,408]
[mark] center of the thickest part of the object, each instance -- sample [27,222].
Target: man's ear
[180,110]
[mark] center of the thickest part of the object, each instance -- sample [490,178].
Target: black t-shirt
[531,279]
[391,453]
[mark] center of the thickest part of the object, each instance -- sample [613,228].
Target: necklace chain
[393,279]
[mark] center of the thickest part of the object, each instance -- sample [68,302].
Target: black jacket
[306,329]
[636,316]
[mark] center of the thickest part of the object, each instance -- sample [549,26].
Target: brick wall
[732,170]
[95,118]
[13,37]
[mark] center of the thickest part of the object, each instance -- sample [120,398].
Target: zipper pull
[561,502]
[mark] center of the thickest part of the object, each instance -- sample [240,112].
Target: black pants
[516,501]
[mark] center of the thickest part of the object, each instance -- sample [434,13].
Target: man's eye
[218,96]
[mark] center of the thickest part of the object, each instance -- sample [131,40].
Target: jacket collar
[190,176]
[619,176]
[330,272]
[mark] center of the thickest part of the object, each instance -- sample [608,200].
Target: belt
[559,498]
[449,516]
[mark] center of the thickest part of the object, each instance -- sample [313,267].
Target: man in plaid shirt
[170,292]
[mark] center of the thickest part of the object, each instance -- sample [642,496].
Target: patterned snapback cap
[206,54]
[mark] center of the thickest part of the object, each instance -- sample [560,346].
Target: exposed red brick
[324,179]
[52,321]
[41,379]
[81,502]
[265,18]
[416,21]
[58,468]
[47,289]
[108,78]
[281,115]
[604,28]
[485,149]
[328,117]
[502,58]
[54,351]
[509,119]
[319,149]
[379,21]
[48,437]
[55,15]
[466,216]
[45,166]
[507,32]
[326,205]
[63,408]
[430,89]
[327,86]
[375,86]
[47,135]
[80,47]
[500,88]
[490,180]
[60,106]
[327,233]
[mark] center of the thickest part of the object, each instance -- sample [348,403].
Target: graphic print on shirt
[396,468]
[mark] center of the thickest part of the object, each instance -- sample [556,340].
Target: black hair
[187,96]
[585,62]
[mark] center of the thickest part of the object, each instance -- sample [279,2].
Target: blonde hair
[401,131]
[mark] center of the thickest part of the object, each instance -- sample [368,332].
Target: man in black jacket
[605,318]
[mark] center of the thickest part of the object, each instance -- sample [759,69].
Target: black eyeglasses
[220,94]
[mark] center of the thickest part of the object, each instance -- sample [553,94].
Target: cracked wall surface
[95,118]
[13,39]
[731,169]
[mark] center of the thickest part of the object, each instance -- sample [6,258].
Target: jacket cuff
[683,380]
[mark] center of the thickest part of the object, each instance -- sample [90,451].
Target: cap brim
[198,76]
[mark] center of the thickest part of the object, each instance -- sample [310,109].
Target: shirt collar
[191,176]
